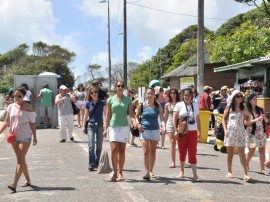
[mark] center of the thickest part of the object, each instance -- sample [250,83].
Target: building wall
[215,80]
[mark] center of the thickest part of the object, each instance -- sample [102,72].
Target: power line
[174,13]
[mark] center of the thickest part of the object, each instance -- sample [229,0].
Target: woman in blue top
[94,109]
[150,130]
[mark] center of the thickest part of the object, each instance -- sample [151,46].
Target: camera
[191,121]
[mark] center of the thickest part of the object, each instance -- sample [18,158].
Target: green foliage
[45,58]
[247,42]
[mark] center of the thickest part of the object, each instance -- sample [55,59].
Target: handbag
[182,127]
[134,131]
[104,162]
[11,136]
[76,110]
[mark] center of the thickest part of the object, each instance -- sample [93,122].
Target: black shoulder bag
[91,114]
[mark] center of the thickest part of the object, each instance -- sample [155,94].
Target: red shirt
[203,104]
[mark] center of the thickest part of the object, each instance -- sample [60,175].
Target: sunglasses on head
[239,96]
[94,92]
[121,86]
[18,96]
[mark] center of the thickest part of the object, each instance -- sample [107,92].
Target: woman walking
[168,115]
[234,130]
[159,92]
[150,130]
[188,143]
[93,113]
[255,130]
[21,119]
[116,126]
[80,96]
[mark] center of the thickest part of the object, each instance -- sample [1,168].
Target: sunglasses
[121,86]
[173,93]
[18,96]
[94,92]
[239,96]
[161,90]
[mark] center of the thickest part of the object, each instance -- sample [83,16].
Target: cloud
[101,58]
[145,53]
[25,21]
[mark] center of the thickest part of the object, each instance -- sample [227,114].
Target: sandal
[172,165]
[12,188]
[121,178]
[247,178]
[26,184]
[146,177]
[114,178]
[152,175]
[197,180]
[263,172]
[229,175]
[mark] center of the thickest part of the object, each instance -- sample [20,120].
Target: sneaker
[63,140]
[42,122]
[72,139]
[91,168]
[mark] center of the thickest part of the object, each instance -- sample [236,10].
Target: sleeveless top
[150,118]
[46,98]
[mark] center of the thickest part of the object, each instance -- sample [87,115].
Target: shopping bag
[104,162]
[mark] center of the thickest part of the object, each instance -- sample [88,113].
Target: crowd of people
[114,117]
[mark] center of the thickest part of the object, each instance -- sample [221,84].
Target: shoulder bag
[182,126]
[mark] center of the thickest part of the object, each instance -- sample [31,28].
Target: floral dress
[259,138]
[235,135]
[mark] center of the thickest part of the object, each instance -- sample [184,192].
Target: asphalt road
[59,173]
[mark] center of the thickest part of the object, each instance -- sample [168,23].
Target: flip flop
[152,175]
[247,179]
[172,165]
[13,189]
[230,175]
[197,180]
[26,184]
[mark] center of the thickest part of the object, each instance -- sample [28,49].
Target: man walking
[46,105]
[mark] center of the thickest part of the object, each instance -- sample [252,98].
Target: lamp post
[109,45]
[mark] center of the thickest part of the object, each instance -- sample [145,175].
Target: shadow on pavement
[213,155]
[132,171]
[37,188]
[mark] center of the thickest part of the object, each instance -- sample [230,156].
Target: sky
[81,25]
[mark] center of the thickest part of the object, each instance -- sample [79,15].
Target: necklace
[120,99]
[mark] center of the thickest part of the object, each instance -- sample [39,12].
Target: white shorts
[80,104]
[119,134]
[150,135]
[44,110]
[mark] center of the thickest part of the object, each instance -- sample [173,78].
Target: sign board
[141,94]
[185,82]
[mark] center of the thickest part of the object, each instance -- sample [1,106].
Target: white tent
[49,74]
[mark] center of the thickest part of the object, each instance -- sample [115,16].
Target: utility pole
[200,47]
[125,43]
[109,45]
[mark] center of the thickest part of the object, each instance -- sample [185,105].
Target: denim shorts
[23,140]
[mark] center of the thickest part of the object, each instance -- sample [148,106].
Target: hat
[224,88]
[95,82]
[131,90]
[234,93]
[154,83]
[10,90]
[206,87]
[157,89]
[215,92]
[63,87]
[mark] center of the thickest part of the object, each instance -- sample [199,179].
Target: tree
[247,42]
[45,58]
[264,8]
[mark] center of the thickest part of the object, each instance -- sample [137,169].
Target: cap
[157,89]
[95,82]
[206,87]
[63,87]
[224,88]
[10,90]
[154,83]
